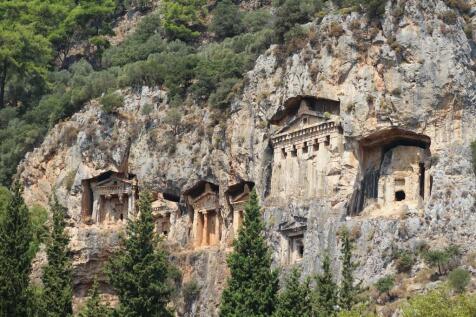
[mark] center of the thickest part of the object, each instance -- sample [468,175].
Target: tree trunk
[3,82]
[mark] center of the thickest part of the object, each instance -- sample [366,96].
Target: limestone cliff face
[406,89]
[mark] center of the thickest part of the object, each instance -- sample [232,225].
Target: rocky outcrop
[415,73]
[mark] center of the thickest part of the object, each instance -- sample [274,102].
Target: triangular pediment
[296,225]
[300,121]
[112,181]
[206,195]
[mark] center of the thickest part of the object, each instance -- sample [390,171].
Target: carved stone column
[205,235]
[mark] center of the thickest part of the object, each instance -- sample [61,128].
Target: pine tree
[295,299]
[326,298]
[94,308]
[57,275]
[140,273]
[252,286]
[348,291]
[15,262]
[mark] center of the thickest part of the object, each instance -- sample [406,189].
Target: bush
[439,303]
[111,102]
[404,261]
[257,20]
[385,284]
[459,279]
[182,19]
[190,291]
[290,13]
[442,259]
[449,17]
[226,20]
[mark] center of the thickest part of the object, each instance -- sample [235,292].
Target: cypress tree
[57,275]
[140,273]
[252,286]
[15,261]
[94,308]
[347,291]
[295,299]
[326,291]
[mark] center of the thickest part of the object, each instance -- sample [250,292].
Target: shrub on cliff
[141,273]
[459,279]
[227,20]
[111,102]
[57,277]
[182,19]
[252,287]
[439,303]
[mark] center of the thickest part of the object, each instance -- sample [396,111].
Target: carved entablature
[296,226]
[162,206]
[314,134]
[239,195]
[115,186]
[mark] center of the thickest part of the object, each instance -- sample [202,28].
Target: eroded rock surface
[409,81]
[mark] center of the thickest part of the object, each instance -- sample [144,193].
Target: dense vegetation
[56,56]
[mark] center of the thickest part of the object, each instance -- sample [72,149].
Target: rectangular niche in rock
[163,207]
[309,134]
[109,198]
[203,201]
[292,242]
[238,195]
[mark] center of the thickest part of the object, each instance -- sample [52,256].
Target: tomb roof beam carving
[305,135]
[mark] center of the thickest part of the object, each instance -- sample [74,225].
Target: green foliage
[347,291]
[57,275]
[439,303]
[357,311]
[111,102]
[15,260]
[373,8]
[295,299]
[256,20]
[290,13]
[404,261]
[459,279]
[38,217]
[141,273]
[23,58]
[441,258]
[190,291]
[182,19]
[5,197]
[325,295]
[173,118]
[252,286]
[385,284]
[93,307]
[227,20]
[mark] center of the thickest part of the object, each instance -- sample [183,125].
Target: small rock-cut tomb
[238,196]
[309,132]
[394,165]
[109,198]
[205,208]
[292,242]
[163,207]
